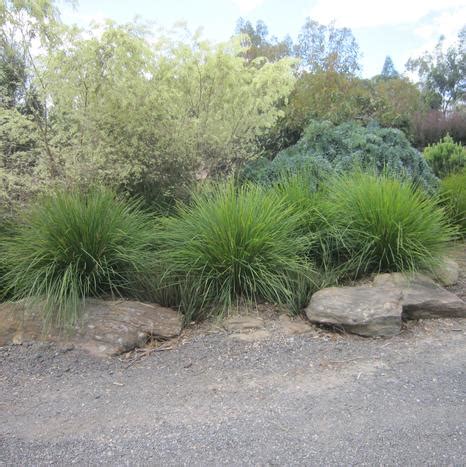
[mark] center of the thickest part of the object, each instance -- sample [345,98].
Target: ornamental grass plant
[386,224]
[72,245]
[232,244]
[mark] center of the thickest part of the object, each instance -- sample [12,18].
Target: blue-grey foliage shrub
[326,149]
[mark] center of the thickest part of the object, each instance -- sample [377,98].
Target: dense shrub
[430,127]
[384,224]
[71,245]
[326,148]
[453,192]
[233,243]
[446,157]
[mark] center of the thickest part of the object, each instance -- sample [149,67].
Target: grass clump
[72,245]
[308,200]
[453,194]
[385,224]
[234,243]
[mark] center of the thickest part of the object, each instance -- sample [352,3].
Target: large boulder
[422,297]
[107,327]
[367,311]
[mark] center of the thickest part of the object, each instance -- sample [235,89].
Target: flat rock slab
[422,297]
[107,327]
[253,336]
[367,311]
[243,323]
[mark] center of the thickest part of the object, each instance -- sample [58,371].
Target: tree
[443,74]
[27,160]
[324,48]
[329,95]
[398,101]
[388,69]
[258,43]
[25,26]
[153,117]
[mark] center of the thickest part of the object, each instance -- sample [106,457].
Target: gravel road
[213,400]
[318,399]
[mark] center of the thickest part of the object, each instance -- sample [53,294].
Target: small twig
[145,353]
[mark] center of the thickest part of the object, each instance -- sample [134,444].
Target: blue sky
[399,28]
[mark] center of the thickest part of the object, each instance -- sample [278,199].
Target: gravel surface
[317,399]
[320,399]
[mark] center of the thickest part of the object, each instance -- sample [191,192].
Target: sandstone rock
[115,327]
[107,327]
[422,297]
[243,323]
[447,273]
[16,326]
[363,310]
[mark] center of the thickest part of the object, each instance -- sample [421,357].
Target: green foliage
[329,95]
[161,115]
[21,168]
[397,101]
[445,157]
[70,246]
[113,105]
[299,191]
[453,195]
[327,148]
[232,244]
[339,98]
[384,224]
[4,232]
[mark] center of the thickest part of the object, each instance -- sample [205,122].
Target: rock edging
[378,309]
[107,327]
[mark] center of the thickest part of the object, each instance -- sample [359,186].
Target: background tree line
[148,115]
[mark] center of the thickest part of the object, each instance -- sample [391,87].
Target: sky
[399,28]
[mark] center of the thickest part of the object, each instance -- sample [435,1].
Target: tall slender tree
[388,69]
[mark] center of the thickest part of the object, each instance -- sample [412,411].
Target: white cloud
[246,6]
[427,19]
[376,13]
[447,23]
